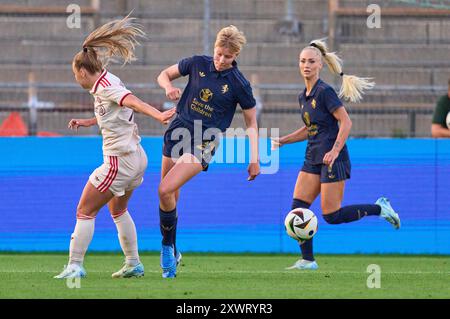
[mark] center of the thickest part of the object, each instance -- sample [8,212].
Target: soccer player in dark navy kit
[327,162]
[208,104]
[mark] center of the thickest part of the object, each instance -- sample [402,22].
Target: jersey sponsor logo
[313,103]
[203,109]
[312,128]
[307,119]
[202,74]
[225,88]
[206,95]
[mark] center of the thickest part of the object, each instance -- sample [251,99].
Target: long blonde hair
[352,87]
[113,39]
[232,38]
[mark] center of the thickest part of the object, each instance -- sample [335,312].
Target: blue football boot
[168,262]
[128,271]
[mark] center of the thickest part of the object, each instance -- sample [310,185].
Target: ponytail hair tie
[341,74]
[317,47]
[85,49]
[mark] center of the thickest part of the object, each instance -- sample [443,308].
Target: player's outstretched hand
[275,143]
[253,171]
[74,124]
[173,93]
[167,115]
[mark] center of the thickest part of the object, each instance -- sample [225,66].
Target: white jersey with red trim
[116,122]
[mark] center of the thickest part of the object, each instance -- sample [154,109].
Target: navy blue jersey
[317,114]
[210,95]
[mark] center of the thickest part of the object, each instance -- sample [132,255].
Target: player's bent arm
[297,136]
[165,79]
[168,75]
[139,106]
[91,121]
[345,125]
[76,123]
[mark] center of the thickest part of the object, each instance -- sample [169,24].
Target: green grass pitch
[229,277]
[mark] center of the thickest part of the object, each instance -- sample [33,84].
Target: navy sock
[352,213]
[307,246]
[168,226]
[174,235]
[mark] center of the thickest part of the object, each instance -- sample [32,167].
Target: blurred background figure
[440,126]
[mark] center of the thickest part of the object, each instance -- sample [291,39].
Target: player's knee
[118,212]
[83,213]
[332,218]
[164,192]
[84,216]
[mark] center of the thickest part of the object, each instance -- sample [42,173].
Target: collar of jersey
[94,88]
[212,69]
[313,91]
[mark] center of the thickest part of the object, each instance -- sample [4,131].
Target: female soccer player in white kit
[125,160]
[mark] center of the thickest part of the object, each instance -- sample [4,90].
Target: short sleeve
[245,97]
[330,100]
[440,113]
[116,93]
[185,66]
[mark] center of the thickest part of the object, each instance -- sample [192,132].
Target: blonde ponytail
[352,87]
[114,39]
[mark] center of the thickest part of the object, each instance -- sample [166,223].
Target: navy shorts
[175,146]
[338,172]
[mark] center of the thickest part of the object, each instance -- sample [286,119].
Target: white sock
[127,238]
[80,240]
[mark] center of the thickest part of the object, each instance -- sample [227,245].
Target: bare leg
[186,167]
[332,195]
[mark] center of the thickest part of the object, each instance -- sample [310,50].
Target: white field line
[251,272]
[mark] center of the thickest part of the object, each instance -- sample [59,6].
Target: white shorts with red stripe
[120,174]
